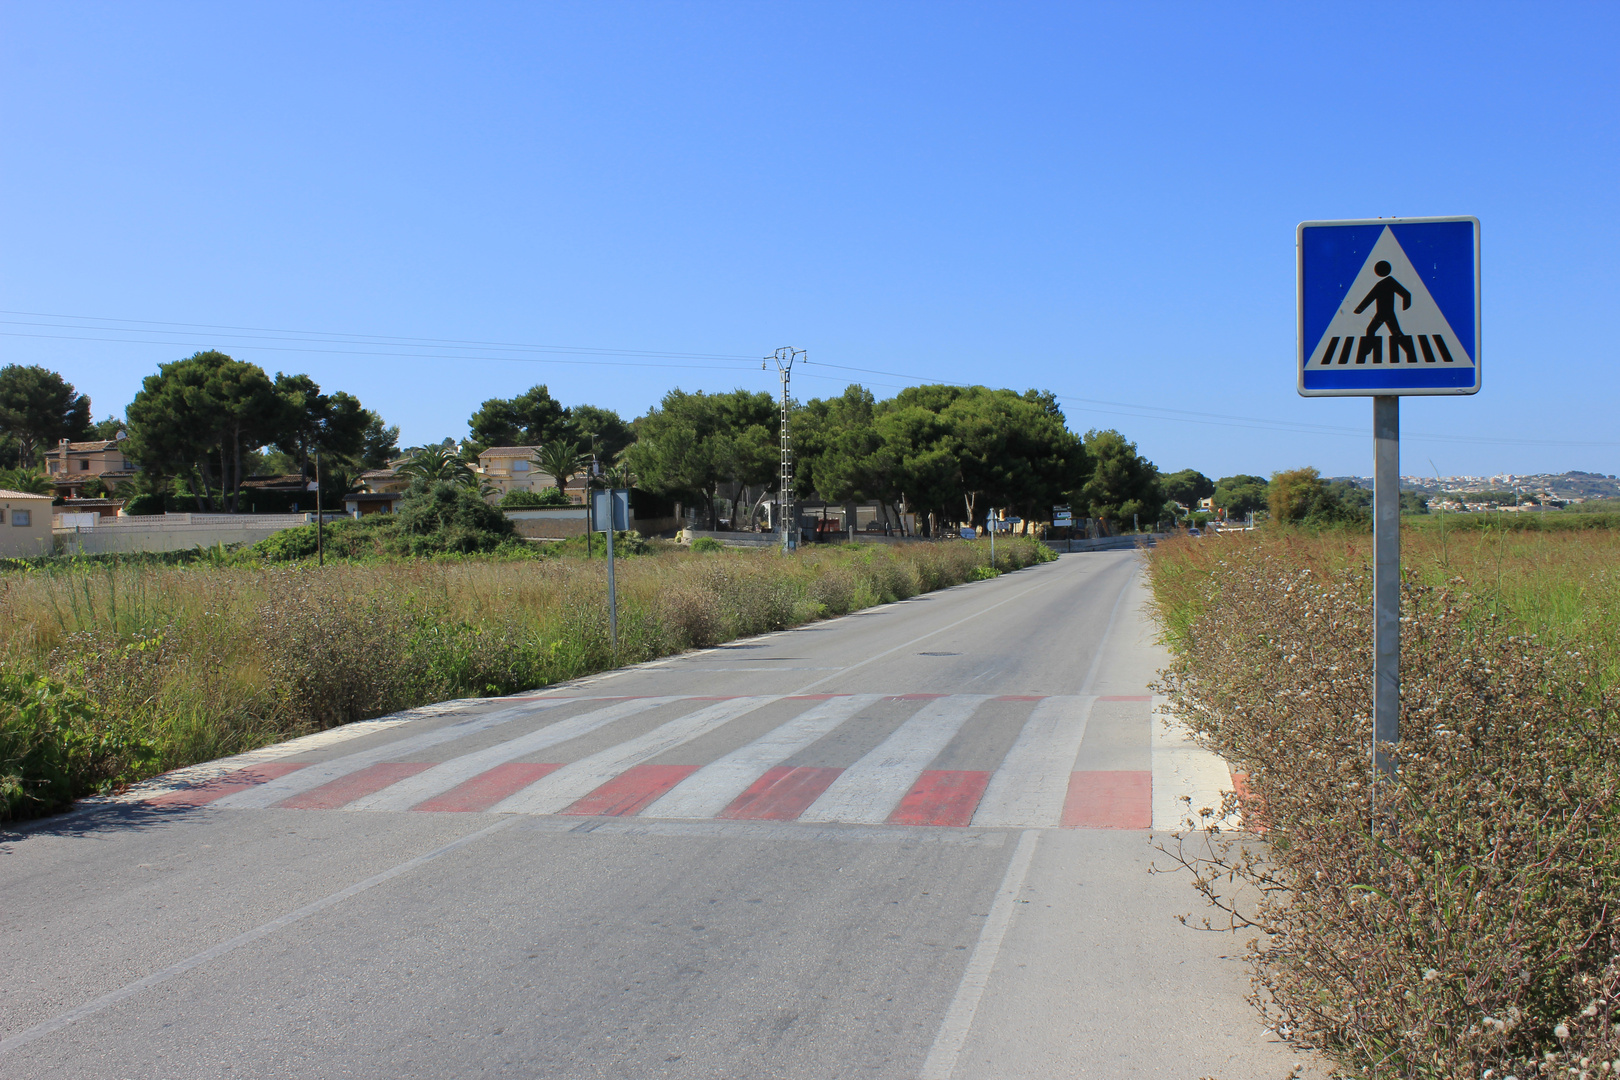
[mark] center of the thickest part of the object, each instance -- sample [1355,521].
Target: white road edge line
[90,1008]
[953,1032]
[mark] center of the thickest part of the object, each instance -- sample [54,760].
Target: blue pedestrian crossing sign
[1388,307]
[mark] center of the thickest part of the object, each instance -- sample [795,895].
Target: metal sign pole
[613,596]
[590,508]
[1386,575]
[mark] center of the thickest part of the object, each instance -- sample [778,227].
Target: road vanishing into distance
[913,842]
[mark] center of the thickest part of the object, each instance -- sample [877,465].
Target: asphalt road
[912,842]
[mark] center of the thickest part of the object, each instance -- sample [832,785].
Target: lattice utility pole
[784,358]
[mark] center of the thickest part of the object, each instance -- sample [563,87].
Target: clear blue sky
[1094,199]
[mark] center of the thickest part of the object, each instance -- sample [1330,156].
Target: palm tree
[620,476]
[28,481]
[561,460]
[434,463]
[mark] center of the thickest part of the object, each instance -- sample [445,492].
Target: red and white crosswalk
[867,759]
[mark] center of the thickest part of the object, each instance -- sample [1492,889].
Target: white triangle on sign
[1353,338]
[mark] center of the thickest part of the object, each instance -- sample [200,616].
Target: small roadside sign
[610,513]
[1388,307]
[1062,516]
[611,506]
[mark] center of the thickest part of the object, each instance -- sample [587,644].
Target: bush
[55,746]
[1467,919]
[372,535]
[520,499]
[145,504]
[453,509]
[707,543]
[445,518]
[1302,497]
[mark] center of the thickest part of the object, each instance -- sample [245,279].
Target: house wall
[22,541]
[87,463]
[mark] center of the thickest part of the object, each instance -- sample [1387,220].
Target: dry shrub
[833,587]
[336,656]
[1463,919]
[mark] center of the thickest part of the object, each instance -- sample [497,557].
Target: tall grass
[203,661]
[1560,585]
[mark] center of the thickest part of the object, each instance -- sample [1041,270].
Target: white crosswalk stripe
[573,782]
[712,788]
[441,778]
[315,775]
[1033,780]
[869,790]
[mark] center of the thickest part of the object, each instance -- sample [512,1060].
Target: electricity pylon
[786,518]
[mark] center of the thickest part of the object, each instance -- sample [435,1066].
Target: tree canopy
[437,464]
[692,443]
[203,420]
[332,424]
[1240,494]
[379,443]
[532,418]
[39,408]
[1123,483]
[956,452]
[197,417]
[601,430]
[1187,487]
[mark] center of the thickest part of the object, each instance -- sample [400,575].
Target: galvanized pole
[590,503]
[613,595]
[320,545]
[1386,575]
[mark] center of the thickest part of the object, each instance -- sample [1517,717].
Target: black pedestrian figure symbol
[1383,296]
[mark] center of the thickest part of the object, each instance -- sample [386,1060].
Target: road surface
[909,843]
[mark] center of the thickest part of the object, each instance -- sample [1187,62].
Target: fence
[173,532]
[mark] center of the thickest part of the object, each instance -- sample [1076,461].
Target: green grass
[1562,584]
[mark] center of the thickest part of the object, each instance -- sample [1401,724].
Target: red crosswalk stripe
[782,794]
[1109,799]
[487,788]
[205,792]
[941,797]
[346,789]
[632,789]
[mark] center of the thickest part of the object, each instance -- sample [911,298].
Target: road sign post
[1386,574]
[610,509]
[1388,307]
